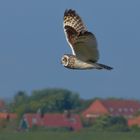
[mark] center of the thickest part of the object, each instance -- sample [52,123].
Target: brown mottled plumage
[83,44]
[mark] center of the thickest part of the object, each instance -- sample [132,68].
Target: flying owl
[83,44]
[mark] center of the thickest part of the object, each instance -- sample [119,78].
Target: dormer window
[111,109]
[125,109]
[120,109]
[131,109]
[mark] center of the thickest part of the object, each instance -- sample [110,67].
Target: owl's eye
[64,60]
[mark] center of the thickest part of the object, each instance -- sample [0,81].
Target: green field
[69,136]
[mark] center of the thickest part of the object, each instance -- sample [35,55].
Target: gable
[95,109]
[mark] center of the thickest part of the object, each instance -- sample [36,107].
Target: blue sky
[32,43]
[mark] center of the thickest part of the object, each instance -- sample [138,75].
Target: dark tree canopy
[46,100]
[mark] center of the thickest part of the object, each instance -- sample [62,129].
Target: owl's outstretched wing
[83,43]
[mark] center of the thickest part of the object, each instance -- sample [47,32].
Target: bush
[109,123]
[135,128]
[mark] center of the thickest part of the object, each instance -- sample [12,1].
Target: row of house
[8,116]
[125,108]
[71,121]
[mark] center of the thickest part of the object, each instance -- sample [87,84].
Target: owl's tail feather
[102,66]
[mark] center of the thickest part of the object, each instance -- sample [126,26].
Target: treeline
[47,100]
[59,100]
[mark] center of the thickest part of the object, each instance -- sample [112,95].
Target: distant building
[134,121]
[56,120]
[126,108]
[8,116]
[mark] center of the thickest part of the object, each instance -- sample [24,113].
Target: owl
[83,44]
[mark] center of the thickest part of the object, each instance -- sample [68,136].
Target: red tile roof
[116,107]
[121,107]
[54,120]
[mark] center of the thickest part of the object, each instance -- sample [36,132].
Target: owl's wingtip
[102,66]
[69,12]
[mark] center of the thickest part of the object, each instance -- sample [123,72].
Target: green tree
[20,97]
[116,123]
[56,100]
[46,100]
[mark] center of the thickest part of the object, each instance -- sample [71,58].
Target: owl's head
[65,60]
[68,61]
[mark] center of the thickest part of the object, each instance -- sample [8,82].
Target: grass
[69,135]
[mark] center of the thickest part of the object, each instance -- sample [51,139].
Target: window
[131,109]
[111,109]
[120,109]
[125,109]
[34,121]
[72,120]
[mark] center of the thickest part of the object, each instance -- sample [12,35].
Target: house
[8,116]
[134,121]
[126,108]
[56,120]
